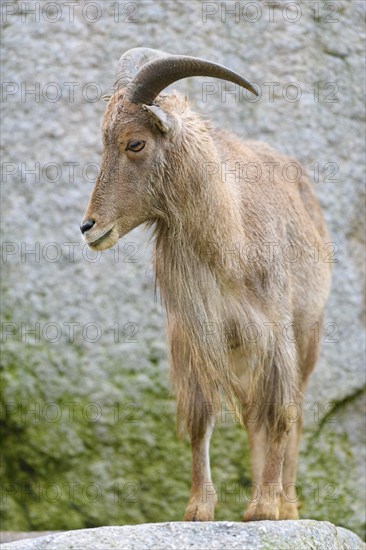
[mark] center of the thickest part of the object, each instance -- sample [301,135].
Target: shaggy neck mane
[198,277]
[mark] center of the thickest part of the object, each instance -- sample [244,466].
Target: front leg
[196,413]
[267,503]
[275,396]
[203,498]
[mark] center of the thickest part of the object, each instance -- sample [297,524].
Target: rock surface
[11,536]
[89,429]
[265,535]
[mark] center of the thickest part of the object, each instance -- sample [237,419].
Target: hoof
[262,511]
[198,513]
[289,510]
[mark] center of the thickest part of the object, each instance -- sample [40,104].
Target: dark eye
[135,145]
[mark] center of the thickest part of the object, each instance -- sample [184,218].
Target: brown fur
[203,220]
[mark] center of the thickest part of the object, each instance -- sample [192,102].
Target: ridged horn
[131,62]
[156,74]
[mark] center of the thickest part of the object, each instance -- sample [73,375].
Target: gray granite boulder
[264,535]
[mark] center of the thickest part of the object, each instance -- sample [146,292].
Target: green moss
[127,465]
[331,487]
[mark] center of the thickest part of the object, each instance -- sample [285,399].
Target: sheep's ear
[106,97]
[162,119]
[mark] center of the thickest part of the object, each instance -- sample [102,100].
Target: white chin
[105,242]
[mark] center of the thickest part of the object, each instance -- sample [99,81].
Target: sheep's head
[139,136]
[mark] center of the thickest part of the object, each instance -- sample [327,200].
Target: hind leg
[289,501]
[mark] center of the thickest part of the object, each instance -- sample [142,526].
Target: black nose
[85,226]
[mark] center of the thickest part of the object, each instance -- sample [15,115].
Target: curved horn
[157,74]
[130,63]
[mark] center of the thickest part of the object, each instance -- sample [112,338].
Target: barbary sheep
[234,260]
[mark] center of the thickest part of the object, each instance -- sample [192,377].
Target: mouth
[103,238]
[99,240]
